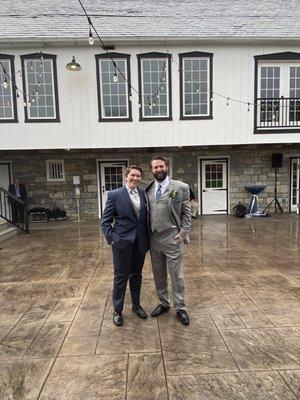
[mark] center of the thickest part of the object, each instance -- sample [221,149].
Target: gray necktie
[158,192]
[135,199]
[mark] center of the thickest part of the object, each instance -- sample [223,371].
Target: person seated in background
[194,204]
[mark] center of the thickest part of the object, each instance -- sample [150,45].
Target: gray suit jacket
[179,206]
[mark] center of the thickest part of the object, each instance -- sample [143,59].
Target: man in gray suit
[170,220]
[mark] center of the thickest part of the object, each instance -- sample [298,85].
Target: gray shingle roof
[28,19]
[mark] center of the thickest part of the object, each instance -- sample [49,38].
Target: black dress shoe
[140,312]
[183,317]
[159,310]
[117,318]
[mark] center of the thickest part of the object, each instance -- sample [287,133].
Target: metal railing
[283,112]
[14,210]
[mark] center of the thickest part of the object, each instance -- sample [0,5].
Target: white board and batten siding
[233,76]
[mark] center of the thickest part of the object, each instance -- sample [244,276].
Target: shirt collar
[164,184]
[135,190]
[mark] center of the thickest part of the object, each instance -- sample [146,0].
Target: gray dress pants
[166,254]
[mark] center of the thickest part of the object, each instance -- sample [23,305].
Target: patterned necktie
[135,199]
[158,192]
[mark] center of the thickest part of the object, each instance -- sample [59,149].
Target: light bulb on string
[31,65]
[91,39]
[140,105]
[18,96]
[36,93]
[5,84]
[29,103]
[115,78]
[227,102]
[25,104]
[8,103]
[32,100]
[130,97]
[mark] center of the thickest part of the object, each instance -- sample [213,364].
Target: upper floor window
[277,91]
[155,86]
[40,88]
[113,83]
[195,85]
[8,106]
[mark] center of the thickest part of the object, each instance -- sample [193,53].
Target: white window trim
[11,92]
[208,86]
[126,86]
[26,61]
[284,65]
[49,178]
[166,82]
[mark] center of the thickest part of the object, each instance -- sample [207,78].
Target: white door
[295,184]
[111,177]
[5,180]
[214,187]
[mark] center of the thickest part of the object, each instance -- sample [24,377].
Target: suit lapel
[171,188]
[126,195]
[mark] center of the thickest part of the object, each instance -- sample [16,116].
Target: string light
[91,39]
[18,90]
[115,78]
[227,102]
[130,97]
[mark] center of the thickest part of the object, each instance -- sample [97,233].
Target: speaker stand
[277,206]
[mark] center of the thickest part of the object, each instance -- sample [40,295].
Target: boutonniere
[173,194]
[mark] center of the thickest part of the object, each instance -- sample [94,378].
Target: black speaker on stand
[276,163]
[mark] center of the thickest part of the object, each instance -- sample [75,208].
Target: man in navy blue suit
[125,227]
[18,190]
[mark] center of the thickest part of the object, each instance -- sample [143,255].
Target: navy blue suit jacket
[119,222]
[22,191]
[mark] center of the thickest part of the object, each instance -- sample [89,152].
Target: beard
[160,175]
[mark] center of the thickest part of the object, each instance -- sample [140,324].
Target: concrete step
[7,230]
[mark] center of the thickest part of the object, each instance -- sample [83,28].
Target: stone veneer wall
[248,165]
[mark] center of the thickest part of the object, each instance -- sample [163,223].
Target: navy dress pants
[128,265]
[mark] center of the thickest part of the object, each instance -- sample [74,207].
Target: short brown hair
[128,169]
[159,158]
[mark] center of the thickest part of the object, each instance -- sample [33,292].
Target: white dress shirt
[164,184]
[135,198]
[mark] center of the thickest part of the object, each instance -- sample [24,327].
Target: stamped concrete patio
[243,292]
